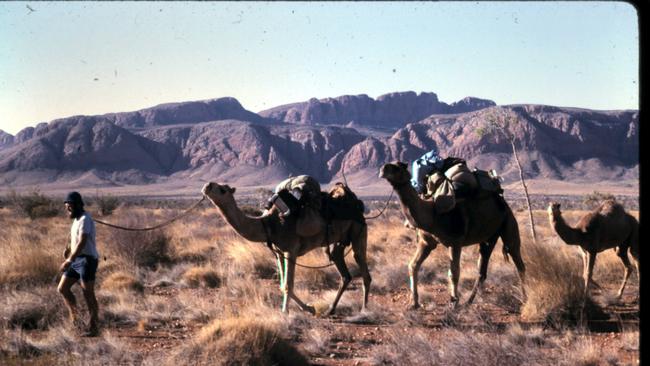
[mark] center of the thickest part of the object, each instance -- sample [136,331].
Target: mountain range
[219,139]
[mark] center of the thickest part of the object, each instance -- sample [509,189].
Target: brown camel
[608,226]
[472,221]
[281,232]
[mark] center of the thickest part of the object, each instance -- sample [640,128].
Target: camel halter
[185,213]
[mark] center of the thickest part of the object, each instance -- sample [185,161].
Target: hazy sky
[66,58]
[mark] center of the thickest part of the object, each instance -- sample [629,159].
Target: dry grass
[584,353]
[61,346]
[317,341]
[554,286]
[318,279]
[137,248]
[246,258]
[30,257]
[515,347]
[240,341]
[30,310]
[631,340]
[121,281]
[201,276]
[218,295]
[198,239]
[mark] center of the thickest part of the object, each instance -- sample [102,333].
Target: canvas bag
[309,221]
[442,192]
[461,173]
[487,182]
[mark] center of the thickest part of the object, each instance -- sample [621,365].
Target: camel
[271,228]
[607,227]
[485,221]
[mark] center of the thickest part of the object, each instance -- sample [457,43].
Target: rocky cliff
[392,110]
[174,142]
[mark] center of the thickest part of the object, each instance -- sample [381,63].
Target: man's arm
[77,251]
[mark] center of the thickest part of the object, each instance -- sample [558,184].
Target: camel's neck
[417,210]
[250,228]
[567,233]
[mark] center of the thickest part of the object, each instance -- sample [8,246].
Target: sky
[59,59]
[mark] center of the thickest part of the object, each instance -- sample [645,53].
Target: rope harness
[185,213]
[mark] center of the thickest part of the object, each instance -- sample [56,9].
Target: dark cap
[74,197]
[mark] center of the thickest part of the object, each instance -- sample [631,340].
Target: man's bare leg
[70,301]
[93,308]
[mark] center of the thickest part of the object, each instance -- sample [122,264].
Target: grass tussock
[127,310]
[60,346]
[197,240]
[555,287]
[317,341]
[122,281]
[455,348]
[201,277]
[586,353]
[250,258]
[30,310]
[240,341]
[138,248]
[28,258]
[317,278]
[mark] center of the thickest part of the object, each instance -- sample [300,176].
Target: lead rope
[387,202]
[383,209]
[185,213]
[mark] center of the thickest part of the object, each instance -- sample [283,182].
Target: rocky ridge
[219,140]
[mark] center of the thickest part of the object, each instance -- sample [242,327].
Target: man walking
[81,259]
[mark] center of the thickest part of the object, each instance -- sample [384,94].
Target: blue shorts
[84,267]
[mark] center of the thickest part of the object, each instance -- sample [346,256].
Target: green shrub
[35,205]
[106,204]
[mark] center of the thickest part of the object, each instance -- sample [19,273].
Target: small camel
[607,227]
[281,232]
[485,221]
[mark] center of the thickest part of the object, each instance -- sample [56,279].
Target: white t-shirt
[84,224]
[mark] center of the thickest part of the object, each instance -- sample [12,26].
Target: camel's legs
[284,285]
[485,251]
[290,272]
[359,246]
[422,252]
[634,250]
[339,261]
[278,261]
[454,273]
[588,271]
[622,253]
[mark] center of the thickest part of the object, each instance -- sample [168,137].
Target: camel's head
[395,173]
[217,192]
[554,209]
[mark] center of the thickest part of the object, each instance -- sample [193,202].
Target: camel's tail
[506,253]
[509,225]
